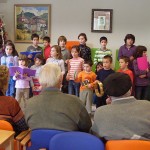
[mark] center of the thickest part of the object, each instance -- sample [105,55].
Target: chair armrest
[26,140]
[22,135]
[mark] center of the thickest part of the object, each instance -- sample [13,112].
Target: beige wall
[70,17]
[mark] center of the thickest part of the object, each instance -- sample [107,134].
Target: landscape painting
[31,19]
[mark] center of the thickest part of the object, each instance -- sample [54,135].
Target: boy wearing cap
[124,117]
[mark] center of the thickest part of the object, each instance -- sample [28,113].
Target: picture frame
[29,19]
[101,20]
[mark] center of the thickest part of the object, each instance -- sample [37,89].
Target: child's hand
[108,100]
[67,61]
[89,86]
[147,70]
[30,56]
[96,81]
[76,74]
[17,73]
[25,75]
[40,88]
[142,76]
[33,88]
[131,58]
[67,77]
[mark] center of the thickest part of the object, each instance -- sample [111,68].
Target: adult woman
[9,107]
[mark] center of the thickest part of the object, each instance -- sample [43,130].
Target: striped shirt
[75,66]
[99,54]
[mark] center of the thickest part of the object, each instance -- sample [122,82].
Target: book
[22,71]
[31,53]
[142,63]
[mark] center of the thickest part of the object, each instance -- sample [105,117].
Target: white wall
[70,17]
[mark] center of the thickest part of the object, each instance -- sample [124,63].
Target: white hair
[50,75]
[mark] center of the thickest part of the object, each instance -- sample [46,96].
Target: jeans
[141,92]
[11,88]
[73,88]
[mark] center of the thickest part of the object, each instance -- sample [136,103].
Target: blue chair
[75,141]
[40,138]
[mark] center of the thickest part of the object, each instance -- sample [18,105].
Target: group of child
[76,67]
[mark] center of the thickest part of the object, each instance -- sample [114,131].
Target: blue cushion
[75,141]
[40,138]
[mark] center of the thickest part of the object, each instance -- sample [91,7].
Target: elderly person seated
[53,109]
[125,117]
[9,107]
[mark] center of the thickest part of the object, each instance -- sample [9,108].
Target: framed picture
[29,19]
[101,20]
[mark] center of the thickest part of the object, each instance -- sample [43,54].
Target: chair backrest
[75,141]
[5,125]
[69,44]
[40,138]
[127,145]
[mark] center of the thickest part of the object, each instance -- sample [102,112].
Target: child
[65,56]
[10,59]
[22,84]
[124,62]
[65,53]
[56,58]
[100,53]
[75,65]
[38,60]
[99,66]
[47,47]
[2,50]
[102,75]
[87,79]
[128,49]
[34,47]
[85,51]
[141,76]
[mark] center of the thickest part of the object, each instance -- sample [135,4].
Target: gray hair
[50,75]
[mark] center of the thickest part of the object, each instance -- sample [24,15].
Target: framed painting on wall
[101,20]
[29,19]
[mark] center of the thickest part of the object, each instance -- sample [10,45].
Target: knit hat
[4,75]
[117,84]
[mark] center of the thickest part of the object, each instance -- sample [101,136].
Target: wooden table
[7,139]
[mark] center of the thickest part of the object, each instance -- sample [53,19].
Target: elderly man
[125,117]
[53,109]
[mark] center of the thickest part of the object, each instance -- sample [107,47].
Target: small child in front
[87,79]
[22,84]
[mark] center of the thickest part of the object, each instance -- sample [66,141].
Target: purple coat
[124,51]
[141,81]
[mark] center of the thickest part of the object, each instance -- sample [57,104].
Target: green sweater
[53,109]
[99,54]
[123,119]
